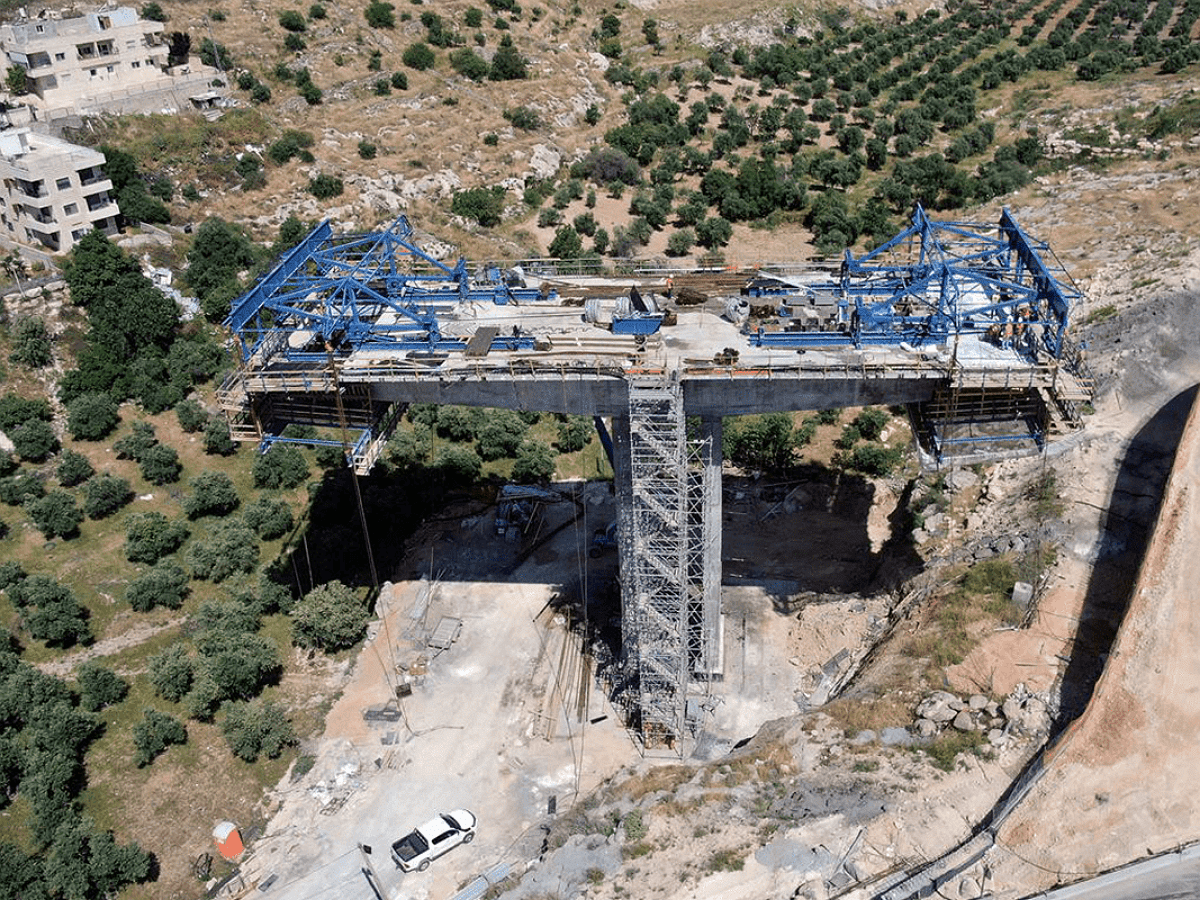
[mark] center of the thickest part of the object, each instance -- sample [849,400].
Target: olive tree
[330,617]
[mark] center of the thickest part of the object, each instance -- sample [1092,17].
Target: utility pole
[369,872]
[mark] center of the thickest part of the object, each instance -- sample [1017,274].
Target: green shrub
[217,440]
[30,343]
[34,440]
[171,672]
[484,205]
[535,462]
[874,459]
[55,515]
[191,415]
[104,495]
[160,465]
[229,549]
[16,490]
[154,734]
[257,729]
[137,443]
[150,536]
[269,518]
[213,494]
[380,14]
[524,118]
[165,585]
[16,410]
[73,468]
[281,467]
[418,56]
[99,687]
[330,617]
[870,423]
[461,465]
[50,612]
[325,186]
[292,144]
[290,20]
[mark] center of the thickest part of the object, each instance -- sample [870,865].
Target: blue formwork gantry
[937,280]
[353,291]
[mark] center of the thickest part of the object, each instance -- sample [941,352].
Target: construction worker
[670,286]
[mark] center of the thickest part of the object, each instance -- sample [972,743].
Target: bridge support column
[706,547]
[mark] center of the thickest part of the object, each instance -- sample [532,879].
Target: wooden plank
[481,341]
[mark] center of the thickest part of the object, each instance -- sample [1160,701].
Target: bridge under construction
[966,324]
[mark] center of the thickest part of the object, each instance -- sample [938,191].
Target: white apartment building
[52,192]
[67,60]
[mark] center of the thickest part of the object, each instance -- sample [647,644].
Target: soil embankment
[1119,784]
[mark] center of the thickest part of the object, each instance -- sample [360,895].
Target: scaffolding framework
[657,631]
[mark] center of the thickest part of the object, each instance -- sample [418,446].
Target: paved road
[1165,878]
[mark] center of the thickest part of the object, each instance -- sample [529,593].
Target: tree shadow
[1125,532]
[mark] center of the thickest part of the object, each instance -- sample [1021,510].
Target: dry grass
[660,778]
[855,714]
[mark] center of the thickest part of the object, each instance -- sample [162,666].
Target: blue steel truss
[352,291]
[935,280]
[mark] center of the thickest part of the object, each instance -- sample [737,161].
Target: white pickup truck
[417,849]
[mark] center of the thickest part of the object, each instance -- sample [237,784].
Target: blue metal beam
[360,290]
[935,280]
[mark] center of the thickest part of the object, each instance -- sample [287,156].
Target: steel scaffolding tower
[657,631]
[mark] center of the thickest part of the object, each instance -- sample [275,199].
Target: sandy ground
[505,719]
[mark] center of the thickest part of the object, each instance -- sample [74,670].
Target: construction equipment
[603,540]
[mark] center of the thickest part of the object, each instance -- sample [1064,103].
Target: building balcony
[93,176]
[45,216]
[32,189]
[101,201]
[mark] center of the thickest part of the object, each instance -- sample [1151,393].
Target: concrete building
[52,192]
[109,60]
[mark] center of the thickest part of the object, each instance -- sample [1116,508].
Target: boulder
[926,728]
[977,701]
[1022,594]
[1011,709]
[895,737]
[963,721]
[1035,716]
[961,479]
[544,162]
[937,707]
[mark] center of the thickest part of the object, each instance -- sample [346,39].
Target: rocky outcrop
[1021,713]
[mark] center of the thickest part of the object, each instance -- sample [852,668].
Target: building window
[59,57]
[70,209]
[110,68]
[39,28]
[63,183]
[92,72]
[135,65]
